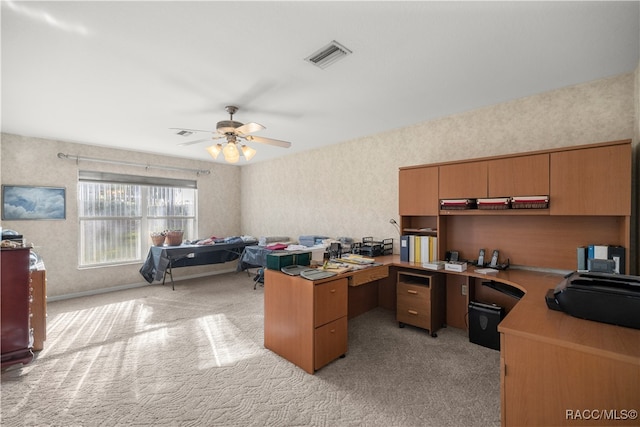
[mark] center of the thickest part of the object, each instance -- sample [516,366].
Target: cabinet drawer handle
[333,291]
[412,312]
[411,291]
[333,331]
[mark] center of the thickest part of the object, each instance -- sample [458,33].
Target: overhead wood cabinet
[518,176]
[463,180]
[526,175]
[589,190]
[591,181]
[418,193]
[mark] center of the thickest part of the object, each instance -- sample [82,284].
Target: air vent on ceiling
[184,133]
[328,55]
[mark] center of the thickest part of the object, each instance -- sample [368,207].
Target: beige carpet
[195,357]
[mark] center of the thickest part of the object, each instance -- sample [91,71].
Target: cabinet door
[591,181]
[463,180]
[544,384]
[519,176]
[330,301]
[418,192]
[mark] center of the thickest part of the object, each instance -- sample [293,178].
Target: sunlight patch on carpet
[226,345]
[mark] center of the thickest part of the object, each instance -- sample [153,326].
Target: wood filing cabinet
[305,321]
[421,300]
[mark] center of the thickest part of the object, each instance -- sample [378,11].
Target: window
[118,213]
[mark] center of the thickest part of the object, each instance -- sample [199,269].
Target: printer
[602,297]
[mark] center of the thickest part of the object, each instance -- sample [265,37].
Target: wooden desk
[554,365]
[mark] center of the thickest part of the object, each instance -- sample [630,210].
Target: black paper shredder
[483,324]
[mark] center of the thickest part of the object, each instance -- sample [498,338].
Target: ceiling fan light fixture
[248,152]
[214,150]
[230,152]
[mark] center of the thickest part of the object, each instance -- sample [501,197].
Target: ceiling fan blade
[249,128]
[191,130]
[269,141]
[183,144]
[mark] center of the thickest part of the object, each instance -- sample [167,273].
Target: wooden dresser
[15,294]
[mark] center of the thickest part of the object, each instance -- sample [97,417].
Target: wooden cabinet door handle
[333,291]
[411,291]
[333,331]
[412,312]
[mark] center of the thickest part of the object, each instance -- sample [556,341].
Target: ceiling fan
[233,132]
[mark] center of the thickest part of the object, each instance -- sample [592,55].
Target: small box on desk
[302,258]
[277,260]
[458,266]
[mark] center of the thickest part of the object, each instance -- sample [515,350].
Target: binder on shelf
[412,248]
[425,248]
[433,241]
[418,249]
[404,248]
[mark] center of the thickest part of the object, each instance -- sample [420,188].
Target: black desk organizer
[369,247]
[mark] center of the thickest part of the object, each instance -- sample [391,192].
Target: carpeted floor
[195,357]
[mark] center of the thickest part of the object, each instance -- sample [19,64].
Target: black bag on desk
[602,297]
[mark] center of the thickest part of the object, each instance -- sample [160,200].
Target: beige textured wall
[33,161]
[351,188]
[347,189]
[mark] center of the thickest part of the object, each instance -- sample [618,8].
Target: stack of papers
[356,259]
[486,271]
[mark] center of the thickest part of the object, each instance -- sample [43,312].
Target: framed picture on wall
[29,202]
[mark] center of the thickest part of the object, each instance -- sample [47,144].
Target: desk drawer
[414,315]
[413,292]
[330,342]
[369,275]
[330,301]
[414,305]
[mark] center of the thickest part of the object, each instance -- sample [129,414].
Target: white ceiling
[120,74]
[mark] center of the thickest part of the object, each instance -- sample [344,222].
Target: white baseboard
[135,285]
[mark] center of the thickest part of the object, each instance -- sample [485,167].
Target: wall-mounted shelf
[420,230]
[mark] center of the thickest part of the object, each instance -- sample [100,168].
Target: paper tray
[494,203]
[457,204]
[530,202]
